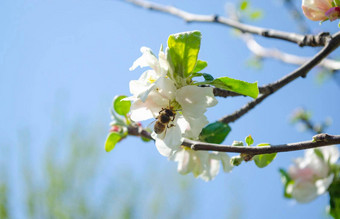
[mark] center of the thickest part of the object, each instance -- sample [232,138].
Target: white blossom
[311,174]
[149,79]
[202,164]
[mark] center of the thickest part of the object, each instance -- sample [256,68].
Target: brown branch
[273,87]
[318,141]
[302,40]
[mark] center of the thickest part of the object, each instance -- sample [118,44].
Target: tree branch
[302,40]
[318,141]
[263,52]
[273,87]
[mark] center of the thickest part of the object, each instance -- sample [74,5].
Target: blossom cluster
[321,10]
[311,175]
[177,107]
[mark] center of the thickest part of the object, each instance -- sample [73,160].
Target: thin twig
[273,87]
[318,141]
[302,40]
[263,52]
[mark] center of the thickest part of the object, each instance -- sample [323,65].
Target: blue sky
[64,61]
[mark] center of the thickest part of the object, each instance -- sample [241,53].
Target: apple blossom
[311,175]
[155,91]
[142,87]
[202,164]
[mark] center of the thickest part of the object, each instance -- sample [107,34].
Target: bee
[164,117]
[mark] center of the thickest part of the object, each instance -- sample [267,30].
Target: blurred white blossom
[311,174]
[202,164]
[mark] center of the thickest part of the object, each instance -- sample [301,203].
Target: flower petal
[323,184]
[194,100]
[147,59]
[304,191]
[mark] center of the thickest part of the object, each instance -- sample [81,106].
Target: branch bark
[319,140]
[302,40]
[275,86]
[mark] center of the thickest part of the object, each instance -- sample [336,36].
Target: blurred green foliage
[71,181]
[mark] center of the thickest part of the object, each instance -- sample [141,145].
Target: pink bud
[315,10]
[333,13]
[115,128]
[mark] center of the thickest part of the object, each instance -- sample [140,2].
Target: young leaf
[249,140]
[215,132]
[256,14]
[244,5]
[238,86]
[183,50]
[264,160]
[200,65]
[112,139]
[208,77]
[334,202]
[122,107]
[286,180]
[319,154]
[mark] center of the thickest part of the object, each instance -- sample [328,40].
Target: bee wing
[151,125]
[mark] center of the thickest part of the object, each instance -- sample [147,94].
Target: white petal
[166,88]
[304,191]
[163,149]
[195,125]
[211,169]
[323,184]
[200,159]
[185,161]
[163,62]
[225,159]
[147,59]
[144,85]
[330,153]
[140,112]
[194,100]
[171,139]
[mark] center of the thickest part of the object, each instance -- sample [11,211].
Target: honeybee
[164,117]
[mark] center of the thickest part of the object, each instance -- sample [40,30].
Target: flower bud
[236,160]
[315,10]
[115,128]
[333,13]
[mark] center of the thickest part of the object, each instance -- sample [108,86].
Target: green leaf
[249,140]
[256,14]
[112,139]
[215,132]
[122,107]
[200,65]
[208,77]
[183,51]
[334,202]
[286,180]
[238,86]
[244,5]
[264,160]
[319,154]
